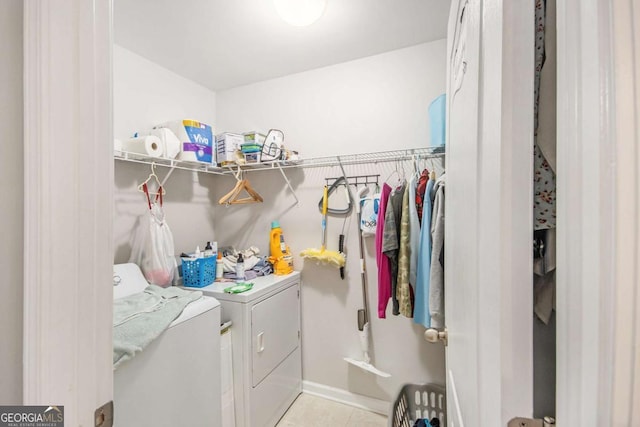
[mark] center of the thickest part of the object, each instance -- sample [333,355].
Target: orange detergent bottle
[280,254]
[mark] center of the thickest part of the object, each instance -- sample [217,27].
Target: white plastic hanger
[153,176]
[396,172]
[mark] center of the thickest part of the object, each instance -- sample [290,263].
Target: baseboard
[343,396]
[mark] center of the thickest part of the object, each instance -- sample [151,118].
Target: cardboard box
[227,144]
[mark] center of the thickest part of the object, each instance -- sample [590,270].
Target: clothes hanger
[159,188]
[233,191]
[396,172]
[254,197]
[432,168]
[231,198]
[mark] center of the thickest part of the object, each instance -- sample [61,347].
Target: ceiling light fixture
[300,13]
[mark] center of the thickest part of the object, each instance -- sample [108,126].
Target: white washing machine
[175,381]
[267,358]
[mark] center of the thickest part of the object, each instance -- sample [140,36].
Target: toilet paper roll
[117,145]
[149,145]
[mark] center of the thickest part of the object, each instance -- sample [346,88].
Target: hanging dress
[384,269]
[421,312]
[436,280]
[391,239]
[404,293]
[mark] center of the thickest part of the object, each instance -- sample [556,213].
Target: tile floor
[313,411]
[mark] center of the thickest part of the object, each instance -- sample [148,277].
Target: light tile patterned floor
[313,411]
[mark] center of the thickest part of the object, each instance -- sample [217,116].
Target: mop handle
[363,268]
[325,206]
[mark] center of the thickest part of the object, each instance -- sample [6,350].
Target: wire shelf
[375,157]
[313,162]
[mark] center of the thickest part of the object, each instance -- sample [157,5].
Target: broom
[323,255]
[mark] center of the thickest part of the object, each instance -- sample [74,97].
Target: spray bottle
[280,253]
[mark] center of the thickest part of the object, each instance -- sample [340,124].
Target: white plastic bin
[417,401]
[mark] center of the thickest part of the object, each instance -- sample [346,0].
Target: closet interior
[363,117]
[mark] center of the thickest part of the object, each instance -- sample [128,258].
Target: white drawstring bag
[370,206]
[152,248]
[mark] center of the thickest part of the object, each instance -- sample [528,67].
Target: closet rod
[353,159]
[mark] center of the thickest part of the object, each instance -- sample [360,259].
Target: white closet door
[461,226]
[489,212]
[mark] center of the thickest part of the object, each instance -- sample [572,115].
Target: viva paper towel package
[197,143]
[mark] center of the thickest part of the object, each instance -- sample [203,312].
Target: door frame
[68,236]
[68,206]
[598,213]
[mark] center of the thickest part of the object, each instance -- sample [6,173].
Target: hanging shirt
[436,279]
[420,188]
[391,238]
[421,310]
[404,293]
[414,231]
[384,269]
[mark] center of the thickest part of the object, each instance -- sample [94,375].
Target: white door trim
[68,203]
[626,361]
[597,275]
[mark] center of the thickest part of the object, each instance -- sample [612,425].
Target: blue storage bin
[437,118]
[198,272]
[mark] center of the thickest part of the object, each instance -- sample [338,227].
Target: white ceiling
[226,43]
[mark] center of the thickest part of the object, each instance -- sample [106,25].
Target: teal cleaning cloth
[140,318]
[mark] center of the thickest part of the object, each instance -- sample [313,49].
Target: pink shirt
[384,268]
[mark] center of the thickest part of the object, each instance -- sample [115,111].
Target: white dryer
[175,381]
[267,356]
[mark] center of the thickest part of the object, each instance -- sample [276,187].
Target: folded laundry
[248,275]
[263,267]
[230,257]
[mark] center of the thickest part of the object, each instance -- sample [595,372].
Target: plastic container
[437,118]
[254,138]
[198,272]
[240,269]
[419,401]
[208,250]
[219,266]
[280,254]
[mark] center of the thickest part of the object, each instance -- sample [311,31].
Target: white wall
[372,104]
[11,186]
[146,94]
